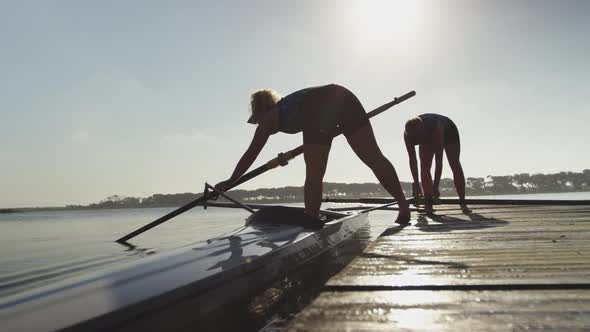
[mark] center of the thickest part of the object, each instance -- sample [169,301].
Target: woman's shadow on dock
[446,223]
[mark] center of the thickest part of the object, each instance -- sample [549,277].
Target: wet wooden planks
[501,267]
[531,310]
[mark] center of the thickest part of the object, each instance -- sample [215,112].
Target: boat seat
[284,215]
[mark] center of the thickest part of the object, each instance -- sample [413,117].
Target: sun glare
[383,21]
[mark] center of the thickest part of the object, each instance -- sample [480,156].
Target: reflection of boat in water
[170,291]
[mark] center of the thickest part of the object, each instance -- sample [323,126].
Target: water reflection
[133,250]
[235,258]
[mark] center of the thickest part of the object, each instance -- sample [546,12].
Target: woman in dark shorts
[434,133]
[319,113]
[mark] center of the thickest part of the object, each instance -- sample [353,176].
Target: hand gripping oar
[282,159]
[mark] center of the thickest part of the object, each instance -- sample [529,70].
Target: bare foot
[403,218]
[465,209]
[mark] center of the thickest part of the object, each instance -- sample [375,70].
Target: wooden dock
[501,268]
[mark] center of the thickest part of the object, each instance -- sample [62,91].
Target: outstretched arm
[413,164]
[258,141]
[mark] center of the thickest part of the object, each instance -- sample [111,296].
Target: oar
[357,208]
[282,159]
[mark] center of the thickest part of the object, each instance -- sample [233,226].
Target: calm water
[40,247]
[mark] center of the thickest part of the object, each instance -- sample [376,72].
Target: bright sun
[384,20]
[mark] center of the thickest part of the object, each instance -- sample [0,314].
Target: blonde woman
[318,112]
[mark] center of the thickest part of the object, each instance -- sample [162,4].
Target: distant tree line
[523,183]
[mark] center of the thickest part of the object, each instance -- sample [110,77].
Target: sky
[134,97]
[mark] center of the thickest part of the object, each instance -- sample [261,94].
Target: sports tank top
[291,111]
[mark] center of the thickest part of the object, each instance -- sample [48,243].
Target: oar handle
[396,101]
[281,160]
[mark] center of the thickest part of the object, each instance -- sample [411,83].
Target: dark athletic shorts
[329,111]
[451,133]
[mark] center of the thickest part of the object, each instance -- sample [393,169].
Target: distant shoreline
[87,208]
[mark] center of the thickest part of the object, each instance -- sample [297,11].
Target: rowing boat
[170,291]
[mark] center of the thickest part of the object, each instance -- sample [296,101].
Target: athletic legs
[364,145]
[426,156]
[316,159]
[453,151]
